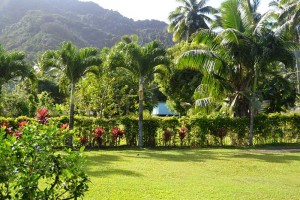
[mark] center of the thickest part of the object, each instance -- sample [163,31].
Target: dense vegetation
[230,74]
[244,68]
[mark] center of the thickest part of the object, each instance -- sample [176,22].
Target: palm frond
[204,102]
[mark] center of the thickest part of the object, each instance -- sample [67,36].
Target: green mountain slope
[38,25]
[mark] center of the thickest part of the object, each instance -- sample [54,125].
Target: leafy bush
[202,130]
[33,169]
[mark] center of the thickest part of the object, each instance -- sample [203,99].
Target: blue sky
[153,9]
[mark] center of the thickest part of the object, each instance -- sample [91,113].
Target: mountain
[37,25]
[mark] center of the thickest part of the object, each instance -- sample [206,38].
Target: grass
[193,174]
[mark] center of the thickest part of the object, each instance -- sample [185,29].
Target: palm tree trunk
[71,119]
[252,105]
[297,54]
[141,108]
[252,110]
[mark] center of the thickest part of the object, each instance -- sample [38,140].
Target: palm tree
[237,57]
[13,65]
[189,17]
[73,63]
[287,14]
[141,62]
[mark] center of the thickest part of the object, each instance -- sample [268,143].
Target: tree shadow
[103,159]
[271,157]
[175,156]
[113,171]
[106,160]
[185,155]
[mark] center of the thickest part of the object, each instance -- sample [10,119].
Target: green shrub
[201,130]
[33,169]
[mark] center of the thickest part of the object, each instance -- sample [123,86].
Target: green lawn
[193,174]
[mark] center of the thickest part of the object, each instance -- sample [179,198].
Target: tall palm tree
[237,57]
[73,63]
[188,18]
[13,65]
[141,62]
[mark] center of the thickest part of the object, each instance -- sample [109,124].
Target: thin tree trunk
[71,119]
[252,110]
[297,54]
[252,104]
[141,108]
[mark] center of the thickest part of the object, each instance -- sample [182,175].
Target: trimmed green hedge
[202,130]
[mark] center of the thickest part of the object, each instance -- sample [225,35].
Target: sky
[153,9]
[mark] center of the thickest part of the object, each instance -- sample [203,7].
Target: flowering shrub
[98,132]
[167,135]
[182,133]
[117,134]
[32,159]
[83,140]
[42,115]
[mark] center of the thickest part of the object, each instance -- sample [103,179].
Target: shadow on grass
[105,162]
[102,163]
[270,157]
[102,159]
[108,172]
[180,155]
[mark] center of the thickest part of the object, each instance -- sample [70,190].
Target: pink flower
[42,115]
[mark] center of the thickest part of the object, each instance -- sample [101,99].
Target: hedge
[165,131]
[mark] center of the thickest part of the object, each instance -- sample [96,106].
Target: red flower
[4,124]
[118,132]
[21,124]
[64,126]
[98,132]
[115,131]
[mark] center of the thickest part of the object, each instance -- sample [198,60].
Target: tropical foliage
[234,60]
[142,63]
[13,65]
[237,63]
[231,66]
[189,17]
[33,169]
[73,63]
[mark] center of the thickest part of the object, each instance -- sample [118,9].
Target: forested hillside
[38,25]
